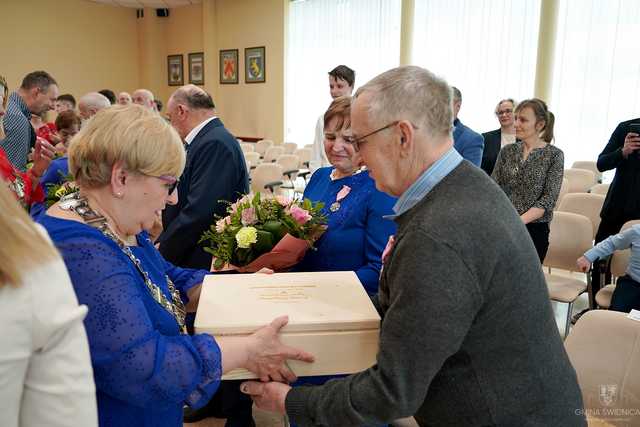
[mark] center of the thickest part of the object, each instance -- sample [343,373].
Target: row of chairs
[582,177]
[263,146]
[277,168]
[573,230]
[604,349]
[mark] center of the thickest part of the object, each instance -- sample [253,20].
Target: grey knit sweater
[468,336]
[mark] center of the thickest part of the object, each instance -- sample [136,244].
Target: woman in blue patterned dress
[126,162]
[357,231]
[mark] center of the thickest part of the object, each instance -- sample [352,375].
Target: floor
[267,419]
[263,419]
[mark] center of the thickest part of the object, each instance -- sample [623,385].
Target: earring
[119,195]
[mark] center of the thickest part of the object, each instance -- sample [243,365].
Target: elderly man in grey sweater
[468,336]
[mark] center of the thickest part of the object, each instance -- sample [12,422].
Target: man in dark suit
[215,173]
[466,142]
[496,139]
[622,203]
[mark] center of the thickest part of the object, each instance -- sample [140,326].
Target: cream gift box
[330,316]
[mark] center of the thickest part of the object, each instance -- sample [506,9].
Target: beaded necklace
[73,202]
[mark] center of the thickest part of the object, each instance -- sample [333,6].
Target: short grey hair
[193,97]
[146,92]
[457,95]
[411,93]
[95,100]
[511,100]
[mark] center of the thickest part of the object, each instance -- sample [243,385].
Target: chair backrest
[263,174]
[580,180]
[290,147]
[620,262]
[262,145]
[252,157]
[288,161]
[600,189]
[564,189]
[247,147]
[304,154]
[604,349]
[588,165]
[585,204]
[272,153]
[570,237]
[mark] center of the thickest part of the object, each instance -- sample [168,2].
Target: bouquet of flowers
[264,232]
[57,191]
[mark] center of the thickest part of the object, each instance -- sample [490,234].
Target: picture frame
[229,66]
[196,68]
[255,65]
[175,70]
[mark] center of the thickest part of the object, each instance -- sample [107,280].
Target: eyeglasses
[172,182]
[355,142]
[501,112]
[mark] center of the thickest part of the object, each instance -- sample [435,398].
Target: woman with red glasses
[126,162]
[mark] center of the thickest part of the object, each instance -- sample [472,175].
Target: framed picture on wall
[175,70]
[254,65]
[229,66]
[196,68]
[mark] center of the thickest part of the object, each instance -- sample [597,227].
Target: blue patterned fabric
[357,233]
[145,370]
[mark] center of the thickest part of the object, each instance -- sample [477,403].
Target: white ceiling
[157,4]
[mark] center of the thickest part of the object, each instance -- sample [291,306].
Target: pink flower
[282,200]
[249,216]
[221,224]
[301,216]
[387,249]
[344,191]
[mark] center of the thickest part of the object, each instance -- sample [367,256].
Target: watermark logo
[608,394]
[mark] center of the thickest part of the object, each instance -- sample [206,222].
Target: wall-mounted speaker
[162,13]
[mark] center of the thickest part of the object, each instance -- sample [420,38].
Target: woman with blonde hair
[126,161]
[45,369]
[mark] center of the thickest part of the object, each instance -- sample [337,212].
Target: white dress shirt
[318,155]
[196,130]
[46,377]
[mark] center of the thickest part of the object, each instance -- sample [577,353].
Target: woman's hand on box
[267,396]
[266,355]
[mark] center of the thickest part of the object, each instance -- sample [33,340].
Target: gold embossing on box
[288,293]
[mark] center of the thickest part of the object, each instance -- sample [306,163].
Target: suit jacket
[467,142]
[492,145]
[215,172]
[623,200]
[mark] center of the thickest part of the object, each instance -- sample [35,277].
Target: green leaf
[264,243]
[276,228]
